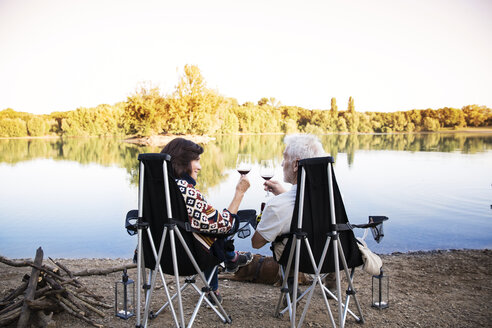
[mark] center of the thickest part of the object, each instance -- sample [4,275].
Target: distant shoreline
[162,140]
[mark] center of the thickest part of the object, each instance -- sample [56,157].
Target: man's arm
[257,241]
[274,187]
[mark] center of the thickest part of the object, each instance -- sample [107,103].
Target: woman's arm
[241,188]
[203,216]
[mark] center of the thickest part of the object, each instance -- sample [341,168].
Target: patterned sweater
[203,216]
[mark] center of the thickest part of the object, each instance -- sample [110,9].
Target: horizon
[388,55]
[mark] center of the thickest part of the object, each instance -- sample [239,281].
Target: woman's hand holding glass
[243,184]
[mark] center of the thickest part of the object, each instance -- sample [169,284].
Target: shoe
[211,299]
[330,282]
[242,259]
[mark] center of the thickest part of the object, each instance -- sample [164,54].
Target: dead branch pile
[50,289]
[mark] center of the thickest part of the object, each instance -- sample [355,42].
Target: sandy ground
[427,289]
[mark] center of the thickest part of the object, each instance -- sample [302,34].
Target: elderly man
[277,214]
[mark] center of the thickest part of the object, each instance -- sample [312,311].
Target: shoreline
[440,288]
[148,140]
[395,253]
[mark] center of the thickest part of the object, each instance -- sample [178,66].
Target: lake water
[71,196]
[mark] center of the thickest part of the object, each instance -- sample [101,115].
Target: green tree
[334,107]
[477,115]
[342,124]
[451,117]
[415,117]
[263,101]
[351,105]
[37,126]
[365,123]
[145,112]
[13,127]
[398,122]
[193,104]
[430,124]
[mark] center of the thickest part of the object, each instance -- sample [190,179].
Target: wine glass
[243,164]
[266,171]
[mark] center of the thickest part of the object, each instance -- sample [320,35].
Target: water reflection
[221,154]
[56,187]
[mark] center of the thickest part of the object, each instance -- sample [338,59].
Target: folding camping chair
[162,217]
[321,241]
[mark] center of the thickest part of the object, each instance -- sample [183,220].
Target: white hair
[301,146]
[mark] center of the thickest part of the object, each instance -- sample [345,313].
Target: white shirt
[277,215]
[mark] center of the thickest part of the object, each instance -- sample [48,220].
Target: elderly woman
[185,161]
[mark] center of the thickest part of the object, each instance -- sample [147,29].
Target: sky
[389,55]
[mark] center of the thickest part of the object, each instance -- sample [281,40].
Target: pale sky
[58,55]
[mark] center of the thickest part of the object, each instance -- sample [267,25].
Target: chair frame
[338,254]
[170,230]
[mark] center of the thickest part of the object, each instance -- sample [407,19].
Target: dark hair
[182,152]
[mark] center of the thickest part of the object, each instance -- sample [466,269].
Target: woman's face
[195,168]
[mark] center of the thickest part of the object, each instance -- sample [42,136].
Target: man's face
[287,165]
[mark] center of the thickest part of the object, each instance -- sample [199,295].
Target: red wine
[243,171]
[267,177]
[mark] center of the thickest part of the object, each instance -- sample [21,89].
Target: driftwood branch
[89,301]
[73,307]
[63,267]
[24,263]
[85,305]
[7,318]
[31,290]
[11,307]
[78,315]
[68,272]
[103,272]
[43,303]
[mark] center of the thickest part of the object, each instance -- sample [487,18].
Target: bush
[431,124]
[37,126]
[13,127]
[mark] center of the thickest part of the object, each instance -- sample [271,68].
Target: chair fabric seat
[155,214]
[316,219]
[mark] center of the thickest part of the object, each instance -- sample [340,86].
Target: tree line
[192,108]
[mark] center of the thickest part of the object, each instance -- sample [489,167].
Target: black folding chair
[162,217]
[321,241]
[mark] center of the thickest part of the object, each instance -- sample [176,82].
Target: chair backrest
[316,217]
[155,213]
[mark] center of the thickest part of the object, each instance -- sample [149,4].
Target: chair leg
[351,286]
[152,277]
[200,274]
[317,269]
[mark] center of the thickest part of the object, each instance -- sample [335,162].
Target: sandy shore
[427,289]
